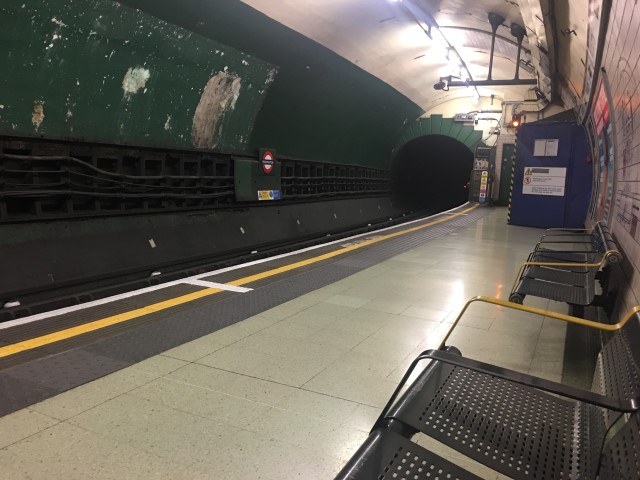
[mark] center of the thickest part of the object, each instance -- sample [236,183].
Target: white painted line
[220,286]
[142,291]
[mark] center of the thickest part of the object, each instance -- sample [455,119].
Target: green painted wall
[65,67]
[320,106]
[295,95]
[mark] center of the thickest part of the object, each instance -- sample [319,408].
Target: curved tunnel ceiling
[387,38]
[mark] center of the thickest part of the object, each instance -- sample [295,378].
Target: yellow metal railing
[541,312]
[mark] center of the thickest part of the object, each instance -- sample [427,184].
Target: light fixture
[516,121]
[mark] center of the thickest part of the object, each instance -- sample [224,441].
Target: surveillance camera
[440,85]
[539,93]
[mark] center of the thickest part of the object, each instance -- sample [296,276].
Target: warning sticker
[544,181]
[268,195]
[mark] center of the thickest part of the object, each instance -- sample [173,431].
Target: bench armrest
[542,313]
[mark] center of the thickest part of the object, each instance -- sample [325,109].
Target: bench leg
[516,298]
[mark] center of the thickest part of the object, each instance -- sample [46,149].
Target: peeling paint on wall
[134,80]
[219,96]
[38,113]
[92,66]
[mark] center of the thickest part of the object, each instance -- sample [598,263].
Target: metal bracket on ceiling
[495,20]
[519,33]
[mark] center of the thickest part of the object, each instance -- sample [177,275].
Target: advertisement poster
[604,154]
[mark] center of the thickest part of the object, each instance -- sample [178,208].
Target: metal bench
[575,235]
[520,425]
[566,276]
[566,249]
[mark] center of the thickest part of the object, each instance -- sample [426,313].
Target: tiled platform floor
[292,392]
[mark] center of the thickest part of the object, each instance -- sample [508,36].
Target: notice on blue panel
[544,181]
[266,195]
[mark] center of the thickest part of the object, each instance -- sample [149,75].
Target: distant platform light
[516,121]
[11,304]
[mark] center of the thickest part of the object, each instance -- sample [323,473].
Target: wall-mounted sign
[545,147]
[267,163]
[544,181]
[267,160]
[266,195]
[480,164]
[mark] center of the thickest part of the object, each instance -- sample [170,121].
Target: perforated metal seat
[544,255]
[510,423]
[516,430]
[559,275]
[385,455]
[621,455]
[576,295]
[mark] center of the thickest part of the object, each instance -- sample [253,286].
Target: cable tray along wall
[48,180]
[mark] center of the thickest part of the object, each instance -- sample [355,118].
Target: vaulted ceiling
[411,44]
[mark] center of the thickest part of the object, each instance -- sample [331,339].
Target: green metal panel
[455,130]
[465,133]
[445,129]
[473,140]
[436,124]
[95,70]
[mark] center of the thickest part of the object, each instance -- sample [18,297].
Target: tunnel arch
[437,125]
[430,173]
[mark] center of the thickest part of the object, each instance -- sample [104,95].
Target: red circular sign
[267,162]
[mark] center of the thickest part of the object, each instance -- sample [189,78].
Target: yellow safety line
[335,253]
[67,333]
[545,313]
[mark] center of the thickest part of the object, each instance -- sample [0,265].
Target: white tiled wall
[621,62]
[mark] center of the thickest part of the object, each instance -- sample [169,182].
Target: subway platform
[303,353]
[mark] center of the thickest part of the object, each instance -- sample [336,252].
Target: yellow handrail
[545,313]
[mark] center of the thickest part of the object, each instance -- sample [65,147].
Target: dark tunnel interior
[431,173]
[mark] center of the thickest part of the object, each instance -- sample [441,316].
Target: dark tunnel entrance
[431,173]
